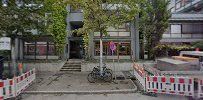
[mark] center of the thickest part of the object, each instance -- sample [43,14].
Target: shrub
[171,50]
[198,44]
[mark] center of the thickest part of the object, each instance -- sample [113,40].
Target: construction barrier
[23,81]
[140,74]
[13,87]
[170,85]
[200,88]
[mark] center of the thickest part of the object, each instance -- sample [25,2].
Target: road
[130,96]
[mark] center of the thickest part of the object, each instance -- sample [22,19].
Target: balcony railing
[184,4]
[183,36]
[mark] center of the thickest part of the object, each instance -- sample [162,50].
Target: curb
[83,92]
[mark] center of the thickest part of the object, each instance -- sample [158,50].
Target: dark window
[174,86]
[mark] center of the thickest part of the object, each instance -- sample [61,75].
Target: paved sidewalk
[74,81]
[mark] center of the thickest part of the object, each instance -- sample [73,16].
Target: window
[51,49]
[174,86]
[41,48]
[176,29]
[192,28]
[123,48]
[183,87]
[29,48]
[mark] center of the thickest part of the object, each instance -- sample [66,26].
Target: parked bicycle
[95,74]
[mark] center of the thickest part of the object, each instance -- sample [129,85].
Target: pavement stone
[75,81]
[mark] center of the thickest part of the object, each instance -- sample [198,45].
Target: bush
[198,44]
[171,50]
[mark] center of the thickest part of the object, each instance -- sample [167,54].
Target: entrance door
[76,49]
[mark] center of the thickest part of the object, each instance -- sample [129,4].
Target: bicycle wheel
[107,77]
[109,70]
[91,78]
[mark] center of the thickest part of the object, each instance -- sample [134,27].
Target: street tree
[154,20]
[17,18]
[101,14]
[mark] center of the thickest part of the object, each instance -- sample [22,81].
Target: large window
[192,28]
[39,48]
[122,48]
[29,48]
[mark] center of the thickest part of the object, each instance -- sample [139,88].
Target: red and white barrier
[200,88]
[170,85]
[140,74]
[23,81]
[13,87]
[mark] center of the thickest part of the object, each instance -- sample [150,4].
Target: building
[124,37]
[186,23]
[186,26]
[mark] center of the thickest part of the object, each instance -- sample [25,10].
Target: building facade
[186,26]
[186,22]
[125,37]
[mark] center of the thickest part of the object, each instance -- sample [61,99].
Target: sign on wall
[5,43]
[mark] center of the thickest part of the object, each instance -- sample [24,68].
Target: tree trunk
[13,58]
[101,55]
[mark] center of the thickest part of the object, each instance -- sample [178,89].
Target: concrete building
[186,22]
[186,26]
[124,37]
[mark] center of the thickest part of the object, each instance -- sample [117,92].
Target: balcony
[182,37]
[184,5]
[186,17]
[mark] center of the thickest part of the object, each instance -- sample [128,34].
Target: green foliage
[198,44]
[57,22]
[171,50]
[153,23]
[18,19]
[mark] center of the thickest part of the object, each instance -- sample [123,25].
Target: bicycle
[95,75]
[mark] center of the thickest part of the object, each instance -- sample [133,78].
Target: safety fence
[200,90]
[170,85]
[13,87]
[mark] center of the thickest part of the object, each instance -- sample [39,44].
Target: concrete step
[72,64]
[71,68]
[78,70]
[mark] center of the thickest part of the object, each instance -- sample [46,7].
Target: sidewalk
[75,82]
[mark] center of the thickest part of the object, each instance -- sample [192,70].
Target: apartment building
[186,22]
[186,26]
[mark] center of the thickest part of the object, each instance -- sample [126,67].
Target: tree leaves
[154,22]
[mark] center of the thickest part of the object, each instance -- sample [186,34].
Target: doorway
[76,49]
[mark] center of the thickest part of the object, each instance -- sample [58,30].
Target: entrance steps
[72,65]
